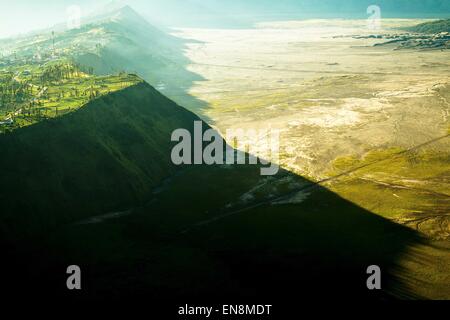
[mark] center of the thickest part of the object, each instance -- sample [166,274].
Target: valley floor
[370,122]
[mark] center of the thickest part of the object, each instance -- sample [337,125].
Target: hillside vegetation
[432,27]
[116,41]
[30,93]
[108,155]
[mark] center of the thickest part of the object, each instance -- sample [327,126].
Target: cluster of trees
[59,72]
[13,92]
[24,96]
[88,70]
[91,92]
[34,108]
[24,93]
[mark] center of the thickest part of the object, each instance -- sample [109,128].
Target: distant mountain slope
[106,156]
[238,13]
[432,27]
[111,41]
[122,40]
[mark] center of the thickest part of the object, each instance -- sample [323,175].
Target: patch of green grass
[392,183]
[45,93]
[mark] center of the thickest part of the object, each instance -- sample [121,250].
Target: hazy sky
[21,16]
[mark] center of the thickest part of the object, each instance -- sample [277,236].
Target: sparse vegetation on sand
[432,27]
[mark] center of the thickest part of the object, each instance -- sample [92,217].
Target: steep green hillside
[106,156]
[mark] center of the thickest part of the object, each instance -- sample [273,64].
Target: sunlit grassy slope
[401,184]
[31,93]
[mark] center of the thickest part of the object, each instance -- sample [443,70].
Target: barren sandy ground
[340,104]
[330,96]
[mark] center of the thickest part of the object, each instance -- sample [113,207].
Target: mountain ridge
[106,156]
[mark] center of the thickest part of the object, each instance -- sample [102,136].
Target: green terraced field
[32,93]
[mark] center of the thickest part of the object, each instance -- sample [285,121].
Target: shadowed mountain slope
[106,156]
[207,232]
